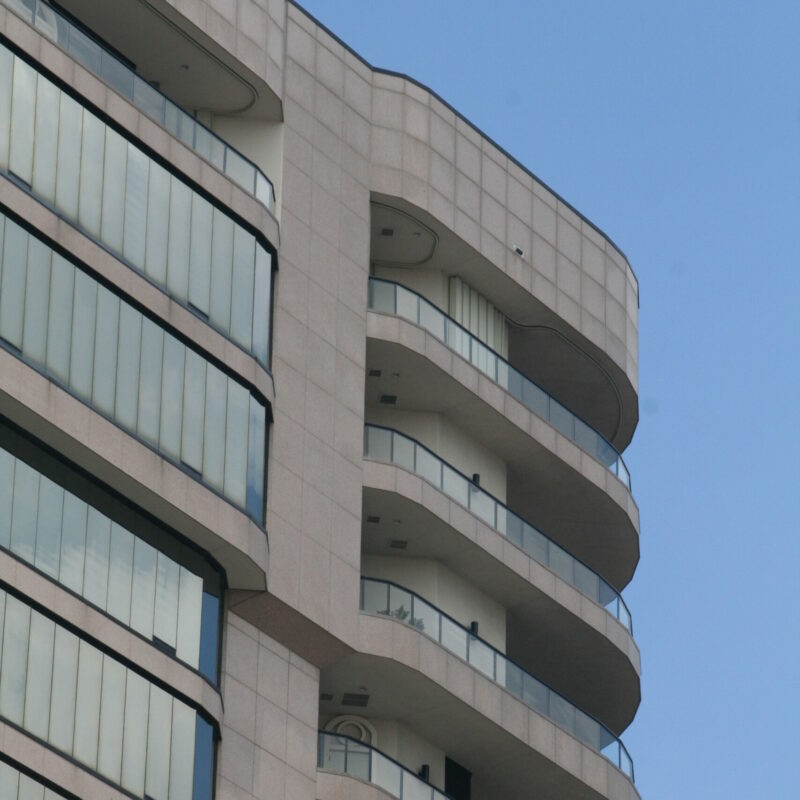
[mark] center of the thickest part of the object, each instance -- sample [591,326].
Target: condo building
[312,406]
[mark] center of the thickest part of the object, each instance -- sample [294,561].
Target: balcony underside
[554,632]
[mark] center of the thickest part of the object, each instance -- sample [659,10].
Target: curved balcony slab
[103,449]
[333,786]
[512,751]
[552,482]
[566,638]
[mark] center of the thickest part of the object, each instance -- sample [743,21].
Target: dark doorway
[456,780]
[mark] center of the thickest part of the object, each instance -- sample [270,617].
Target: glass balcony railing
[348,756]
[123,79]
[389,599]
[390,446]
[388,297]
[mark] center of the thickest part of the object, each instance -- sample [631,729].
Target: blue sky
[675,126]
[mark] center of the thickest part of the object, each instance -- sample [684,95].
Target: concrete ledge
[335,786]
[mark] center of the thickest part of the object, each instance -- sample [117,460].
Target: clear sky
[675,127]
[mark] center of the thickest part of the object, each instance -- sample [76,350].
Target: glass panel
[48,526]
[381,296]
[482,505]
[204,760]
[134,740]
[37,297]
[535,399]
[209,637]
[12,284]
[242,287]
[114,170]
[255,459]
[29,789]
[172,397]
[426,618]
[386,774]
[200,258]
[429,467]
[358,760]
[83,322]
[403,452]
[9,781]
[6,83]
[148,99]
[112,712]
[40,673]
[144,588]
[166,607]
[414,788]
[562,712]
[116,75]
[585,437]
[59,323]
[92,155]
[262,303]
[65,678]
[194,394]
[98,543]
[87,705]
[157,223]
[23,112]
[105,351]
[73,543]
[120,574]
[214,430]
[407,304]
[455,485]
[180,218]
[69,156]
[24,511]
[46,140]
[561,563]
[236,442]
[85,50]
[6,499]
[221,269]
[535,694]
[375,597]
[400,604]
[481,656]
[190,606]
[535,544]
[136,207]
[379,444]
[128,354]
[181,768]
[14,660]
[150,381]
[586,581]
[561,419]
[431,319]
[454,638]
[159,735]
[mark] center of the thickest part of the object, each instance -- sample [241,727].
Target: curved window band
[106,352]
[16,785]
[86,704]
[107,186]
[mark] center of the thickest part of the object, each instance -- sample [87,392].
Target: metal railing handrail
[82,44]
[520,533]
[574,427]
[351,743]
[416,621]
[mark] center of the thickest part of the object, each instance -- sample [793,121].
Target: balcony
[389,446]
[112,69]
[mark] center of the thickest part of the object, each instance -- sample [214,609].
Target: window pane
[134,747]
[46,140]
[29,789]
[150,381]
[262,304]
[73,543]
[112,710]
[180,215]
[24,511]
[157,224]
[181,766]
[6,82]
[6,498]
[172,397]
[194,394]
[105,350]
[83,321]
[120,574]
[12,285]
[144,588]
[40,673]
[130,340]
[244,251]
[59,323]
[23,108]
[48,526]
[15,660]
[214,430]
[209,637]
[9,781]
[98,542]
[65,678]
[255,460]
[236,442]
[221,270]
[200,275]
[166,609]
[159,735]
[87,705]
[204,760]
[190,606]
[114,168]
[37,296]
[69,155]
[136,206]
[91,166]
